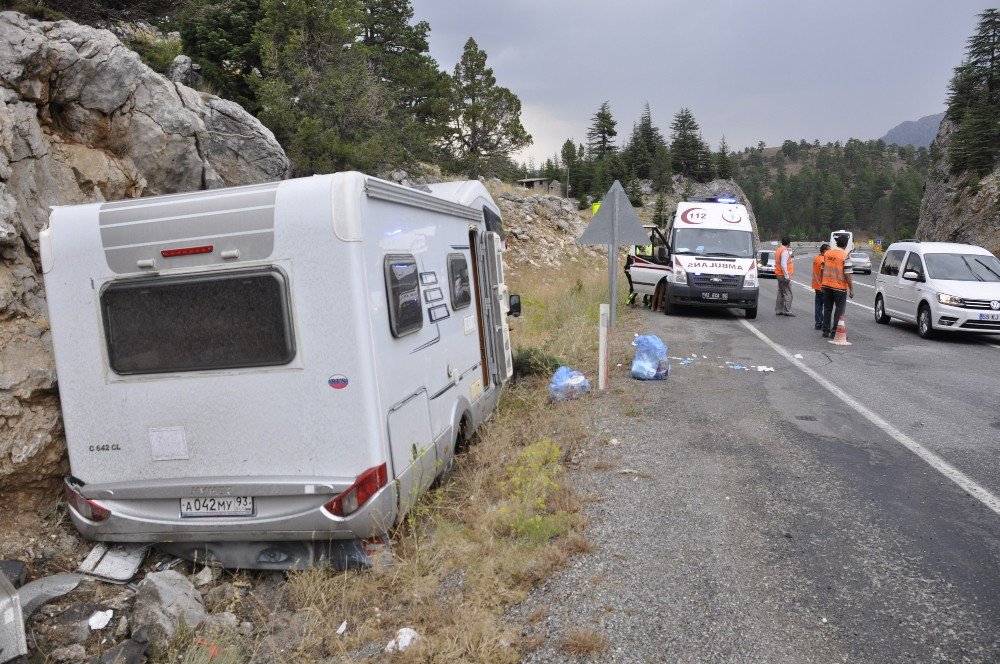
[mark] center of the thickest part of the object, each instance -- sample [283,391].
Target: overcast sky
[752,70]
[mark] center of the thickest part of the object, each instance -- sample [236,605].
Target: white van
[268,376]
[939,286]
[709,259]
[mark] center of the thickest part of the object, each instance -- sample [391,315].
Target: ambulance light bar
[713,199]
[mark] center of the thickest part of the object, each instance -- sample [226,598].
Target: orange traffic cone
[840,338]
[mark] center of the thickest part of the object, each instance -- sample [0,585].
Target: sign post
[614,223]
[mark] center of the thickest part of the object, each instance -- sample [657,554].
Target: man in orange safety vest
[817,283]
[837,284]
[783,270]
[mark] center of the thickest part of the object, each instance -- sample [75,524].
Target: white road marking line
[849,300]
[990,345]
[860,283]
[937,463]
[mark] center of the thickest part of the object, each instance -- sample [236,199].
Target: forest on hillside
[806,190]
[801,189]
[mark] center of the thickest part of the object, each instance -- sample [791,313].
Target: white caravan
[268,376]
[706,258]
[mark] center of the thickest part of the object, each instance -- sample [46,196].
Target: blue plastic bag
[567,384]
[651,362]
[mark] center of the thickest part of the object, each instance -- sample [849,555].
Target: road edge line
[964,482]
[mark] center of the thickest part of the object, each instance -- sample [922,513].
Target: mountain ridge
[918,133]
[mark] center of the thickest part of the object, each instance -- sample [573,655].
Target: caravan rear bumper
[295,518]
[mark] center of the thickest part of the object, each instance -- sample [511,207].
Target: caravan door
[499,333]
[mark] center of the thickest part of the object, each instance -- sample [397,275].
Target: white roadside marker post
[603,362]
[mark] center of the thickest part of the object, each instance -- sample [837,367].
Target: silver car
[862,262]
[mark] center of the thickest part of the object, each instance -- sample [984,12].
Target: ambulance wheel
[669,308]
[750,313]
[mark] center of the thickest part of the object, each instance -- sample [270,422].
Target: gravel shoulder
[724,533]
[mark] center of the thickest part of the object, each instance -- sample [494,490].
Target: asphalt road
[785,516]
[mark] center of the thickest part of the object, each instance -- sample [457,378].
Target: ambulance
[708,259]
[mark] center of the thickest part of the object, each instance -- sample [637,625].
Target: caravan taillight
[187,251]
[88,509]
[366,486]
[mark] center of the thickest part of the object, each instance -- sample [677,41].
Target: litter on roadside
[567,384]
[798,356]
[100,619]
[404,638]
[651,362]
[342,628]
[761,368]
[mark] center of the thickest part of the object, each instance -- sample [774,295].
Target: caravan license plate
[217,506]
[715,296]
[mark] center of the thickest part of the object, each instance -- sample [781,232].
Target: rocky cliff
[959,207]
[84,120]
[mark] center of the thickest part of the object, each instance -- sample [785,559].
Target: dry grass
[584,642]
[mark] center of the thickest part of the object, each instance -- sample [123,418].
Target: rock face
[542,229]
[84,120]
[954,208]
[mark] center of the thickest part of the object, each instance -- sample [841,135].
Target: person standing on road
[837,284]
[783,270]
[818,283]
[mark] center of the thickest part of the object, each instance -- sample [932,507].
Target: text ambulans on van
[268,376]
[705,258]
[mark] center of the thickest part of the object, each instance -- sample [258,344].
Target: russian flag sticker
[338,382]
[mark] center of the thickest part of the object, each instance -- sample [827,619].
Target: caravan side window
[402,287]
[458,281]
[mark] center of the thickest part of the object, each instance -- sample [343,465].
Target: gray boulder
[165,600]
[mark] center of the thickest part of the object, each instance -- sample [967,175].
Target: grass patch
[584,642]
[157,54]
[531,361]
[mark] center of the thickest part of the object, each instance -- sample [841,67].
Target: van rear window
[196,323]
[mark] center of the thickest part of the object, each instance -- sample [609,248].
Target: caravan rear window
[402,287]
[196,323]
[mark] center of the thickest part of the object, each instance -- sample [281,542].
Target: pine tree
[633,189]
[637,155]
[974,100]
[660,215]
[321,100]
[685,143]
[601,134]
[660,171]
[220,38]
[704,170]
[643,145]
[398,52]
[723,161]
[485,123]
